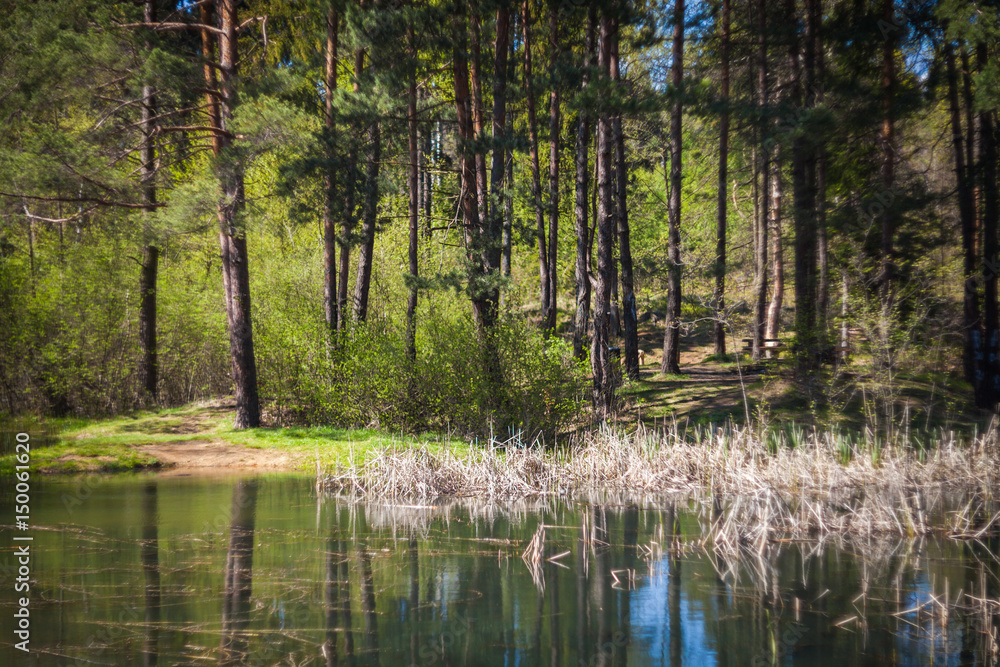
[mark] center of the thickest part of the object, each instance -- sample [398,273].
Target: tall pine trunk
[761,172]
[369,221]
[350,206]
[671,337]
[804,195]
[475,71]
[970,298]
[603,378]
[822,242]
[148,370]
[232,234]
[414,210]
[630,324]
[330,212]
[554,127]
[989,390]
[719,328]
[887,171]
[536,186]
[581,203]
[498,162]
[777,252]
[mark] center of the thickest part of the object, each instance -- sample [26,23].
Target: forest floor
[710,391]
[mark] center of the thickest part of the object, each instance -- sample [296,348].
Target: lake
[146,569]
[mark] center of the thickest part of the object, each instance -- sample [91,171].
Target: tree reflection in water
[239,574]
[150,553]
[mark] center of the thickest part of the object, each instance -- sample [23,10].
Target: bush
[367,380]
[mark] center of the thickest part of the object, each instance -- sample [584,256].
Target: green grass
[86,457]
[71,445]
[335,446]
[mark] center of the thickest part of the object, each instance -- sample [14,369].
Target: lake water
[242,570]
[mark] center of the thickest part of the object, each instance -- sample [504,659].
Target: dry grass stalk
[824,485]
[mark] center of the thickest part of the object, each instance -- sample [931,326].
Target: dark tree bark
[580,331]
[148,370]
[600,360]
[330,212]
[887,172]
[989,389]
[498,161]
[484,296]
[822,243]
[761,174]
[630,324]
[411,303]
[671,338]
[232,236]
[723,185]
[536,185]
[369,221]
[549,319]
[804,194]
[508,195]
[475,71]
[350,206]
[970,300]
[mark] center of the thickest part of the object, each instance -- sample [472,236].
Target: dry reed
[822,483]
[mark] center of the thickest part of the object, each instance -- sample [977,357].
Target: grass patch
[336,446]
[73,445]
[74,458]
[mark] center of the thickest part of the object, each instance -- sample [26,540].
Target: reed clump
[817,483]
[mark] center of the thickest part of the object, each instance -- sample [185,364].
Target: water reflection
[621,583]
[239,575]
[151,573]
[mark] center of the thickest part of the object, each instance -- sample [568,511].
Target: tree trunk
[671,338]
[498,162]
[536,186]
[989,390]
[369,220]
[580,330]
[330,213]
[477,115]
[232,235]
[723,188]
[554,127]
[148,369]
[887,174]
[804,194]
[761,175]
[605,223]
[350,208]
[483,309]
[822,244]
[630,323]
[970,300]
[777,253]
[411,303]
[508,194]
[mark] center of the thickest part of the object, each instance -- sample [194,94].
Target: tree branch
[82,200]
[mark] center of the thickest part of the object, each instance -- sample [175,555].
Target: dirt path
[214,454]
